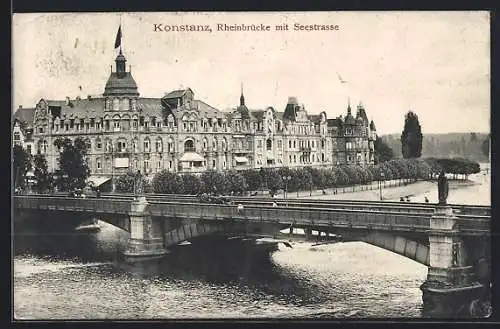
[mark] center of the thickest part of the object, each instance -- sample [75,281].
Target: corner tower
[121,89]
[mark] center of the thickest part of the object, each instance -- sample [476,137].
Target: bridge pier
[146,234]
[451,289]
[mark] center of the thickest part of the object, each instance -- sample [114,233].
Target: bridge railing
[297,216]
[73,204]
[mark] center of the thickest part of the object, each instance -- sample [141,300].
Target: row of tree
[297,179]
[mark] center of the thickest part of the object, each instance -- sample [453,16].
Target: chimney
[67,100]
[20,106]
[89,97]
[78,98]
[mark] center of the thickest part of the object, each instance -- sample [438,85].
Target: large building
[179,133]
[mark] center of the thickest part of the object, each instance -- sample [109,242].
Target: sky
[436,64]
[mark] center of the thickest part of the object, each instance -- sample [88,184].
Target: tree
[411,137]
[383,152]
[22,164]
[252,178]
[485,147]
[42,176]
[125,183]
[236,182]
[167,182]
[214,182]
[191,184]
[73,168]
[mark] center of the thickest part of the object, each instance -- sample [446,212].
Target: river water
[342,280]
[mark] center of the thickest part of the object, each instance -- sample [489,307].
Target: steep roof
[176,93]
[316,118]
[337,122]
[25,115]
[349,119]
[121,83]
[257,114]
[79,108]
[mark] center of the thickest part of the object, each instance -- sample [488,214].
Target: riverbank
[416,191]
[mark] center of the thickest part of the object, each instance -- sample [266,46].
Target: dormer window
[348,131]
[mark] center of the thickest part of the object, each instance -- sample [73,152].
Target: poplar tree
[411,138]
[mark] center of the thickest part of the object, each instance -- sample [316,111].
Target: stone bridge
[454,247]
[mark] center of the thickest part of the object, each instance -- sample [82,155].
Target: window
[348,131]
[259,144]
[213,163]
[17,136]
[189,146]
[158,145]
[146,145]
[98,164]
[146,166]
[294,144]
[170,164]
[269,144]
[158,165]
[322,144]
[99,144]
[323,157]
[71,123]
[279,144]
[28,148]
[289,144]
[40,130]
[348,145]
[122,146]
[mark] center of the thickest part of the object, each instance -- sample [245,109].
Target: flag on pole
[118,40]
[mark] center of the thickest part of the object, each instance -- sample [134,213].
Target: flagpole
[121,14]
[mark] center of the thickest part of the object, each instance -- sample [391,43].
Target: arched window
[135,143]
[159,145]
[269,144]
[189,146]
[146,145]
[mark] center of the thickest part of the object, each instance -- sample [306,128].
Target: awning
[241,159]
[98,180]
[191,156]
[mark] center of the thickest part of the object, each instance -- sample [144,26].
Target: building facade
[179,133]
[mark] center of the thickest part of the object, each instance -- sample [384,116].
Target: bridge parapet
[451,283]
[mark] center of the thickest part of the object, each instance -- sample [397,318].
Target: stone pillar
[451,289]
[146,236]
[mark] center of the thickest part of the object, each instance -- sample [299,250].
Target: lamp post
[380,184]
[286,179]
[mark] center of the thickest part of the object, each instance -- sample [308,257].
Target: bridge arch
[399,245]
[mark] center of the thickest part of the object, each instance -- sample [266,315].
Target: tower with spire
[121,91]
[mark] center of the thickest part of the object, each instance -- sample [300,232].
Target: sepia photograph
[251,165]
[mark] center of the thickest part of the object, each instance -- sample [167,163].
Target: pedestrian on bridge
[240,208]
